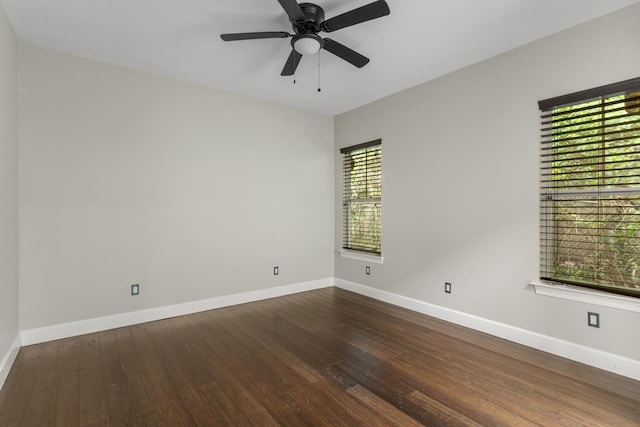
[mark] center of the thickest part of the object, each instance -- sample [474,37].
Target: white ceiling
[419,41]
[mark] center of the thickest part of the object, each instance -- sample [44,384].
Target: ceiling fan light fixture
[307,20]
[307,44]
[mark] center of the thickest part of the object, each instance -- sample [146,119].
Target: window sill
[591,296]
[361,256]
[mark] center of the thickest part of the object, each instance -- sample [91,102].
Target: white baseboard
[65,330]
[8,359]
[579,353]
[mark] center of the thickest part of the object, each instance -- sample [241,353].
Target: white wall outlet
[276,270]
[447,287]
[135,289]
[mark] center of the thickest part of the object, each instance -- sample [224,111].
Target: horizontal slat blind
[362,197]
[590,189]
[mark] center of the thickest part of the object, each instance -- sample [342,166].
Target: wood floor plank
[164,392]
[233,402]
[560,366]
[93,395]
[67,412]
[252,325]
[386,410]
[176,356]
[437,413]
[16,394]
[249,373]
[325,357]
[118,390]
[466,394]
[41,409]
[142,404]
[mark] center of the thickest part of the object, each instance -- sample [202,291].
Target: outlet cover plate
[447,287]
[135,289]
[593,319]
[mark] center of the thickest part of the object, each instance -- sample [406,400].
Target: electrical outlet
[367,270]
[135,289]
[593,319]
[447,287]
[276,270]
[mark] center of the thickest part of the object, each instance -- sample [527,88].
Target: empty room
[358,213]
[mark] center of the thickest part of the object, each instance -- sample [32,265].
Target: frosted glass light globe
[307,45]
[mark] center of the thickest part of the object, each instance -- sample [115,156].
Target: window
[590,188]
[362,197]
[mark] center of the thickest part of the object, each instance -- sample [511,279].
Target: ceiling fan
[307,20]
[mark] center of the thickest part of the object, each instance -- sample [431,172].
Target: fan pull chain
[295,67]
[319,90]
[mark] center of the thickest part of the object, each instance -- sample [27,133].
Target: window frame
[347,249]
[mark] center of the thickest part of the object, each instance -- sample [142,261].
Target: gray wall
[460,182]
[8,187]
[193,193]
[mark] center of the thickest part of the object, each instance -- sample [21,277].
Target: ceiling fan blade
[292,63]
[340,50]
[365,13]
[253,36]
[293,10]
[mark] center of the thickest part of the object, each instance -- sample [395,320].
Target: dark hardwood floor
[326,357]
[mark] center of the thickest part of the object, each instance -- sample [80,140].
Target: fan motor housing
[315,18]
